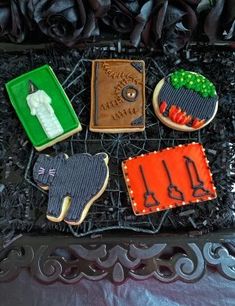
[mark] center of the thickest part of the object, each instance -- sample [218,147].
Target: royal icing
[39,104]
[117,95]
[187,98]
[80,177]
[169,178]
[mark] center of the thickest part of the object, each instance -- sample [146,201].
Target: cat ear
[61,156]
[39,165]
[103,156]
[42,159]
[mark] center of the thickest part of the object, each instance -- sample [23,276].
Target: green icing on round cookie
[193,81]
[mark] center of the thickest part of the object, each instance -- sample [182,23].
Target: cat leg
[58,206]
[79,207]
[76,209]
[91,187]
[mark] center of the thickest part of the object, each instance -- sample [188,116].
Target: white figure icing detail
[39,104]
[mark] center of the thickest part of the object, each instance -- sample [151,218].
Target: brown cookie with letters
[117,96]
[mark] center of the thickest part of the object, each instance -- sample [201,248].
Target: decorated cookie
[43,107]
[74,183]
[185,101]
[117,96]
[169,178]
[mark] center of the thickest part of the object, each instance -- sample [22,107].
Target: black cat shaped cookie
[74,183]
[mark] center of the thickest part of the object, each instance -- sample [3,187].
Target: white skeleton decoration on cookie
[39,104]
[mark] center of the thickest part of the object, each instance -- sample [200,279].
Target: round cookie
[185,101]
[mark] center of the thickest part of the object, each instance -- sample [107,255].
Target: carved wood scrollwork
[68,260]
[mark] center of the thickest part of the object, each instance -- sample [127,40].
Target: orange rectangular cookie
[168,178]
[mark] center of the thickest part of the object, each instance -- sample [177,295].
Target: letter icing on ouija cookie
[74,183]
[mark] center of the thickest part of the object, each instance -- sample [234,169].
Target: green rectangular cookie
[44,79]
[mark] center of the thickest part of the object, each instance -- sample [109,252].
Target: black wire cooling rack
[23,204]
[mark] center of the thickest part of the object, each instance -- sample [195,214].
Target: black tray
[23,205]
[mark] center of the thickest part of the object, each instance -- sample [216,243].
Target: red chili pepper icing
[186,101]
[185,179]
[177,115]
[163,107]
[197,123]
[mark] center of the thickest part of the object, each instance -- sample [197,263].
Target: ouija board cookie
[170,178]
[185,101]
[117,96]
[74,183]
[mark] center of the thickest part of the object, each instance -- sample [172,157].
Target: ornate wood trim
[167,258]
